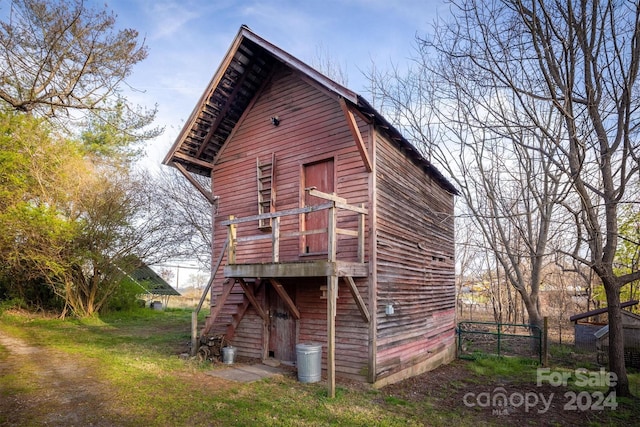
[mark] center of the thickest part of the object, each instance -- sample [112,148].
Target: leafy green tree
[36,171]
[73,217]
[72,214]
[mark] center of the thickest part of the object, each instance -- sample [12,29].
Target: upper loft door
[321,176]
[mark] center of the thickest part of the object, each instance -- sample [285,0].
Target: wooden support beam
[359,301]
[361,239]
[213,275]
[332,292]
[194,333]
[206,193]
[327,196]
[332,295]
[187,158]
[332,244]
[275,239]
[226,290]
[252,299]
[352,208]
[319,268]
[355,131]
[282,292]
[233,241]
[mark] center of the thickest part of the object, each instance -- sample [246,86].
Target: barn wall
[248,335]
[351,329]
[312,127]
[415,264]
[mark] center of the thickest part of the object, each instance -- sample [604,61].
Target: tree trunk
[616,340]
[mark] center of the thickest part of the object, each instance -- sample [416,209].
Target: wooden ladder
[266,189]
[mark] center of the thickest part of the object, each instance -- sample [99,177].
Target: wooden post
[361,240]
[332,293]
[545,352]
[231,257]
[194,333]
[332,235]
[275,238]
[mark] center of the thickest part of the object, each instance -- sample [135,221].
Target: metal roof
[247,66]
[586,314]
[150,281]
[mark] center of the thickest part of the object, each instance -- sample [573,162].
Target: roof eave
[278,54]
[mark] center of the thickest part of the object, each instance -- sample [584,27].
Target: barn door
[282,326]
[319,175]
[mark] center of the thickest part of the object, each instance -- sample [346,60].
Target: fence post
[545,342]
[194,333]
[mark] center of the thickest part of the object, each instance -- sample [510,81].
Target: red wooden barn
[329,226]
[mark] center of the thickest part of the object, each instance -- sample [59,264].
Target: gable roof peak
[247,65]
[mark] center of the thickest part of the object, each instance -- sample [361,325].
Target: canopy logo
[504,403]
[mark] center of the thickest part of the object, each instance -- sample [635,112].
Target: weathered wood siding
[351,330]
[415,263]
[248,335]
[312,127]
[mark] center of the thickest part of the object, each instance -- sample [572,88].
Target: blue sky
[187,40]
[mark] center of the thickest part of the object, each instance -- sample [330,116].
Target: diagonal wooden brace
[285,297]
[359,301]
[248,291]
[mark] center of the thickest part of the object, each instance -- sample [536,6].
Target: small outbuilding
[330,228]
[154,288]
[591,333]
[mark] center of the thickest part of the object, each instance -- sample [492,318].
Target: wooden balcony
[331,266]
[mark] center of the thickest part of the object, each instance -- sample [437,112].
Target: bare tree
[59,56]
[329,66]
[564,76]
[187,215]
[469,269]
[510,193]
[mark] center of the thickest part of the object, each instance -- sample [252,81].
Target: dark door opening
[282,327]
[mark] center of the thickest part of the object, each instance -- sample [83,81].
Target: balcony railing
[332,206]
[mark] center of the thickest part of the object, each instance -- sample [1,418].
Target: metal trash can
[228,355]
[309,361]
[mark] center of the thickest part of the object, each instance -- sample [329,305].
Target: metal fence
[502,339]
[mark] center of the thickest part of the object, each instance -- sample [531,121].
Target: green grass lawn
[135,356]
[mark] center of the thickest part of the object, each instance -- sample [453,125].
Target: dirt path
[59,389]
